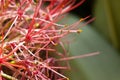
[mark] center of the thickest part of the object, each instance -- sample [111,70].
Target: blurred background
[107,16]
[102,35]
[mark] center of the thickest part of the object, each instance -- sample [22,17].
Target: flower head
[31,33]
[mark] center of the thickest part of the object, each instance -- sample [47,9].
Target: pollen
[36,25]
[13,62]
[65,25]
[82,19]
[79,31]
[1,37]
[55,44]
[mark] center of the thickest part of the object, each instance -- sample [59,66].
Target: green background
[104,66]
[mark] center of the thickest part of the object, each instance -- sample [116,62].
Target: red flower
[31,35]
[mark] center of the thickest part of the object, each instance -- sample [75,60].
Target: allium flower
[29,33]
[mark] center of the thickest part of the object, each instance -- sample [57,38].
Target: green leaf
[104,66]
[107,15]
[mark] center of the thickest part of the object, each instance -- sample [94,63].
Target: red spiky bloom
[29,33]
